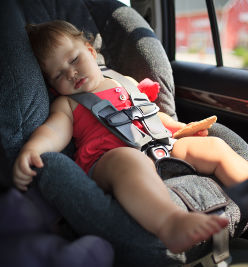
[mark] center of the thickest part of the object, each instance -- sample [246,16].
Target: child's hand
[202,133]
[22,172]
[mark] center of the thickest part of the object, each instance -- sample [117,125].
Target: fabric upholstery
[107,27]
[24,100]
[126,44]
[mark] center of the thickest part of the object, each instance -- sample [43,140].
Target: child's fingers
[23,173]
[22,182]
[36,160]
[33,160]
[25,168]
[25,181]
[20,176]
[202,133]
[22,187]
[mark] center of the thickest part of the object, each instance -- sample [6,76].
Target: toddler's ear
[91,49]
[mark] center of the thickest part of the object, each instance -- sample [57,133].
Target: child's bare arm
[52,136]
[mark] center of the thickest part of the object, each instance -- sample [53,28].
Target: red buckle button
[160,153]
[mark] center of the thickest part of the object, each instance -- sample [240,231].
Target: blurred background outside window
[193,33]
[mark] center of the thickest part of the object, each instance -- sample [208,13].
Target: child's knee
[216,143]
[180,148]
[189,146]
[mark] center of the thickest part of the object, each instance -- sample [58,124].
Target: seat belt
[152,124]
[156,142]
[117,122]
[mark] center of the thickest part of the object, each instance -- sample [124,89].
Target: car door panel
[203,90]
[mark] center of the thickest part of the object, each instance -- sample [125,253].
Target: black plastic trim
[215,32]
[214,101]
[220,80]
[168,31]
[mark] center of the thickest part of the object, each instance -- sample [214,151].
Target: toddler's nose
[72,74]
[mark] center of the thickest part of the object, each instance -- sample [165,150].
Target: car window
[193,32]
[232,17]
[126,2]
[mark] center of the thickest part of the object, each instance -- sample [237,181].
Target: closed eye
[74,60]
[58,76]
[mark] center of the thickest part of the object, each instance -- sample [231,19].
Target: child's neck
[106,84]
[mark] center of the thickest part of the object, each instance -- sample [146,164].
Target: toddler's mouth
[80,83]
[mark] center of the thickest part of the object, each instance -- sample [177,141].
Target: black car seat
[126,44]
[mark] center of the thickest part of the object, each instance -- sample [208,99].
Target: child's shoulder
[132,80]
[63,103]
[60,100]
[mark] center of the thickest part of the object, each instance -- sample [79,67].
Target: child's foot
[183,230]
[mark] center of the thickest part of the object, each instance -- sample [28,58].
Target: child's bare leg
[131,176]
[211,155]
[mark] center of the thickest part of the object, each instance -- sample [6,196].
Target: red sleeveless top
[92,139]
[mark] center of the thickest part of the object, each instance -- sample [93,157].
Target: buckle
[125,116]
[143,110]
[157,152]
[118,118]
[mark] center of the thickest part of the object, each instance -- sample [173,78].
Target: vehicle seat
[126,44]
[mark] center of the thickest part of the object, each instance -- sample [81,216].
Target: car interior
[141,40]
[201,88]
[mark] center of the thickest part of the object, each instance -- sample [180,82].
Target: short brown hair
[44,37]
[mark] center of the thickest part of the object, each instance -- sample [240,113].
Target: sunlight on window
[232,17]
[126,2]
[193,34]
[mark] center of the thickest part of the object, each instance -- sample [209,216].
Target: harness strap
[221,245]
[120,122]
[126,83]
[152,123]
[103,110]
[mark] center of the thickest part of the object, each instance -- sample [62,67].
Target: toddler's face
[72,68]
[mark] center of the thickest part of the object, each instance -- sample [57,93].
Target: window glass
[126,2]
[232,17]
[193,33]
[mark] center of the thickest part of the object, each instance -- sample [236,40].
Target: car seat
[126,44]
[26,239]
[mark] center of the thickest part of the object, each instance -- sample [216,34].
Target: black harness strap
[152,123]
[123,128]
[120,122]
